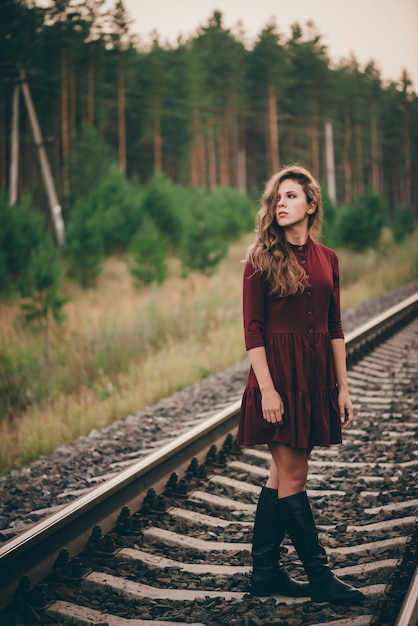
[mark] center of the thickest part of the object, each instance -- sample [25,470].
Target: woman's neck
[297,236]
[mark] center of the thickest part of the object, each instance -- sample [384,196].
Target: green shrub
[18,381]
[235,209]
[162,203]
[203,242]
[84,246]
[403,223]
[211,221]
[41,285]
[22,228]
[90,163]
[149,255]
[359,227]
[116,207]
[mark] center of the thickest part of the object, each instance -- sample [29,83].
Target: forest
[208,112]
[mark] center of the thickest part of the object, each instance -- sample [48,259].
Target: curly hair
[271,254]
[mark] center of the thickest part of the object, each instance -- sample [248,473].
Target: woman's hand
[271,402]
[272,406]
[346,408]
[344,402]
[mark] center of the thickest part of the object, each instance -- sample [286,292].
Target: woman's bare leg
[289,469]
[273,479]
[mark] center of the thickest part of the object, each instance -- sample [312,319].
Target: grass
[372,273]
[121,350]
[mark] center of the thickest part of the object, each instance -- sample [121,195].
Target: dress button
[309,312]
[300,248]
[310,331]
[303,261]
[307,276]
[308,293]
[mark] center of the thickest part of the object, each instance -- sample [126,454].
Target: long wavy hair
[271,254]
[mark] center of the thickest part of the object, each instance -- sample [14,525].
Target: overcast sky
[383,30]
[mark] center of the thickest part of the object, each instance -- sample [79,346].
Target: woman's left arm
[338,347]
[344,402]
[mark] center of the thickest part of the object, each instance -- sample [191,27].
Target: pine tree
[42,301]
[149,255]
[84,246]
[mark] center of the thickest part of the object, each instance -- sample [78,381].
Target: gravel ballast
[31,493]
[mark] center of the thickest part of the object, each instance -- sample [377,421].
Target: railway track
[168,539]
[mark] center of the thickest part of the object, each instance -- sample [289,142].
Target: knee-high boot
[269,576]
[300,525]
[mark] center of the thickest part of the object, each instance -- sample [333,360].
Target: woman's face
[292,208]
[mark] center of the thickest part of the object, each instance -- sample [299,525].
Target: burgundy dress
[296,332]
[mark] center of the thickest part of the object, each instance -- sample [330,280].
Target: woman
[297,393]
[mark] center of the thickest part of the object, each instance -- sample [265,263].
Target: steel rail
[33,552]
[368,335]
[408,615]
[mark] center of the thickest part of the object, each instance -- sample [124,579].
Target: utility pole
[330,163]
[54,205]
[14,160]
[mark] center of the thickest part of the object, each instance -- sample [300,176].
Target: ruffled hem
[310,419]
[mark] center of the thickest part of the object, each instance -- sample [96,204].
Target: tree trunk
[395,194]
[211,154]
[407,183]
[348,189]
[374,148]
[157,141]
[315,139]
[273,133]
[359,179]
[201,151]
[194,174]
[122,124]
[3,174]
[90,89]
[56,144]
[65,135]
[242,171]
[315,149]
[234,144]
[224,152]
[14,143]
[242,161]
[72,98]
[223,160]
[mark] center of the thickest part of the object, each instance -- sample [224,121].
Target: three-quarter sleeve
[253,300]
[334,314]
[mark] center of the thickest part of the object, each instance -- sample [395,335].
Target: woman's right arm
[271,402]
[254,302]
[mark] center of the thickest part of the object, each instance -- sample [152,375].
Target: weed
[121,349]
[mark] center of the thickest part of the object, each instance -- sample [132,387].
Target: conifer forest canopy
[207,111]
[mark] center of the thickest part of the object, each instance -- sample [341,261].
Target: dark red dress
[296,332]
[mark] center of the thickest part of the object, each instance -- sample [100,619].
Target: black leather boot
[269,576]
[300,525]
